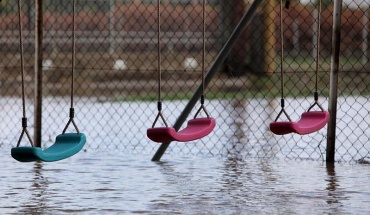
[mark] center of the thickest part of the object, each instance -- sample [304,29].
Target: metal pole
[38,72]
[215,67]
[330,146]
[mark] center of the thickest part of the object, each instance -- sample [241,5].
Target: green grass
[299,80]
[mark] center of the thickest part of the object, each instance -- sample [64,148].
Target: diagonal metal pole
[214,68]
[330,145]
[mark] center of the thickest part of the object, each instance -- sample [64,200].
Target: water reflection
[184,190]
[234,170]
[334,194]
[131,184]
[237,125]
[249,133]
[37,203]
[332,183]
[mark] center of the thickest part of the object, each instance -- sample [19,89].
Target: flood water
[110,183]
[240,169]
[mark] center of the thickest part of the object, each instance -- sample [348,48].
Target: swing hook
[202,107]
[282,111]
[24,130]
[159,105]
[316,95]
[71,119]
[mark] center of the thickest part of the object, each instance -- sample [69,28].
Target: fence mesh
[116,74]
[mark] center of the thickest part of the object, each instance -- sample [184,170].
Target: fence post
[330,146]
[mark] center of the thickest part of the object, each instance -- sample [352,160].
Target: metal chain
[318,44]
[318,34]
[282,50]
[159,67]
[21,45]
[73,50]
[159,60]
[203,42]
[281,63]
[71,110]
[202,107]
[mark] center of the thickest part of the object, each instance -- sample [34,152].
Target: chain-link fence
[117,83]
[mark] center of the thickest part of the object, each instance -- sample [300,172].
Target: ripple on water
[90,183]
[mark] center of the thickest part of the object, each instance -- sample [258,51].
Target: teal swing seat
[66,145]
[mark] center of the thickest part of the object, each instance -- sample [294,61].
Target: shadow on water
[37,202]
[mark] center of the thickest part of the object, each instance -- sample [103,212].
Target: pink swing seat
[310,122]
[196,129]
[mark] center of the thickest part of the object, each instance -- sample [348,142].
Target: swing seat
[66,145]
[310,122]
[196,129]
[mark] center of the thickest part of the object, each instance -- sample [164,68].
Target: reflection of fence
[110,94]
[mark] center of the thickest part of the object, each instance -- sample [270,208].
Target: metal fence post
[330,146]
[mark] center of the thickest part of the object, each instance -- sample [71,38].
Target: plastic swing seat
[195,129]
[310,122]
[66,145]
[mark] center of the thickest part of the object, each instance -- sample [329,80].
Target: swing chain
[159,104]
[316,94]
[202,107]
[24,118]
[71,109]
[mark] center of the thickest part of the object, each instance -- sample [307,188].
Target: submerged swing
[310,121]
[66,144]
[197,127]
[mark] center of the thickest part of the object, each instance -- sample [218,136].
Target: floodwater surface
[241,168]
[110,183]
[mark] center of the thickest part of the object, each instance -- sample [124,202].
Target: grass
[296,84]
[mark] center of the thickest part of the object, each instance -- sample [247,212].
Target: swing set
[66,144]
